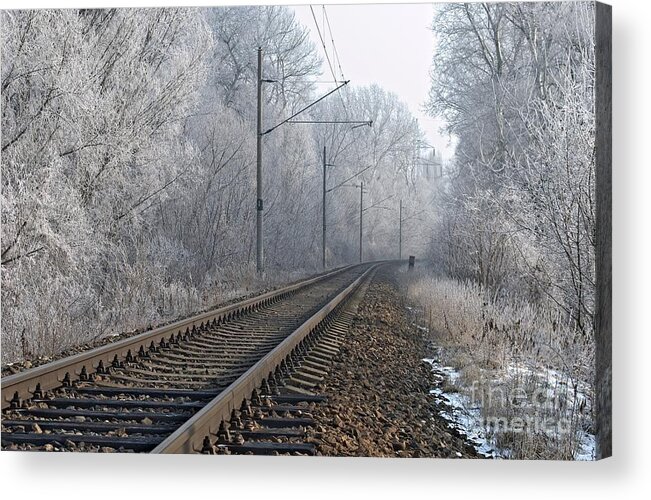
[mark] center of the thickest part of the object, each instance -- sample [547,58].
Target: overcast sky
[391,45]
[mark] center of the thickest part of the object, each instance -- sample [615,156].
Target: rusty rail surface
[56,373]
[190,436]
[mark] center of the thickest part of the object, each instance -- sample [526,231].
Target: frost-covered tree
[128,166]
[385,158]
[92,108]
[515,85]
[290,58]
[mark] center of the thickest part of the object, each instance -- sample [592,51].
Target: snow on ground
[460,414]
[465,416]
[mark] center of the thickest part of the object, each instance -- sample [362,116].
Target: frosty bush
[509,352]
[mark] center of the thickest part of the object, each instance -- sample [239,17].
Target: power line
[304,109]
[316,23]
[376,204]
[349,178]
[362,122]
[336,54]
[334,47]
[325,50]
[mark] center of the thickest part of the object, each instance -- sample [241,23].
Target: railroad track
[239,379]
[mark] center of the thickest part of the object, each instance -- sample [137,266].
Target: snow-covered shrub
[517,361]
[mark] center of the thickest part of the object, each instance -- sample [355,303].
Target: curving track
[240,379]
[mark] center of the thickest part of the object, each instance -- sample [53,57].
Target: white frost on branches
[128,166]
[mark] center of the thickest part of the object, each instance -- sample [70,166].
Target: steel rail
[188,438]
[53,374]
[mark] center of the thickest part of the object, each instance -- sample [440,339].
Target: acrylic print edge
[603,251]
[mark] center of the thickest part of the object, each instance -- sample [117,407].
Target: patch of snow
[465,417]
[460,415]
[564,391]
[587,447]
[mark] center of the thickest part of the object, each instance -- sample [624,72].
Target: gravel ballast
[378,387]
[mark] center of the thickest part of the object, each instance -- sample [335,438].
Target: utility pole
[358,123]
[361,211]
[260,133]
[259,251]
[323,239]
[400,234]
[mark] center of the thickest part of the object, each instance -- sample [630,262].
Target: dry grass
[62,313]
[524,365]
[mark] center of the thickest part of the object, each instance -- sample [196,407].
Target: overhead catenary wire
[334,46]
[350,218]
[325,50]
[349,178]
[363,122]
[378,203]
[316,23]
[336,54]
[303,109]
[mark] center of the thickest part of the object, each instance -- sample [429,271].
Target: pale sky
[388,44]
